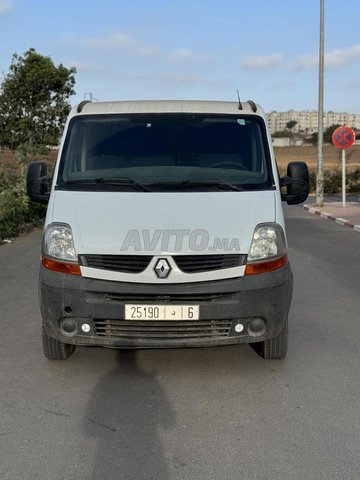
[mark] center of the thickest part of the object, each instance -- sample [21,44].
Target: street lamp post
[320,159]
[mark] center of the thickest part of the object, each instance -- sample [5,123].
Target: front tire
[54,349]
[274,348]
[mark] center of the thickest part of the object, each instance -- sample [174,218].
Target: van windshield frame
[166,152]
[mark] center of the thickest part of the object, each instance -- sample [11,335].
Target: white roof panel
[167,106]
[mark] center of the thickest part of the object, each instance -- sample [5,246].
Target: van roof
[167,106]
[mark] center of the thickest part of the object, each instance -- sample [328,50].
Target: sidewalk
[333,209]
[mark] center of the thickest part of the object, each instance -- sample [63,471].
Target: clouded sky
[194,49]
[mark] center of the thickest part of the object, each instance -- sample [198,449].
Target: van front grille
[163,329]
[139,263]
[206,263]
[117,263]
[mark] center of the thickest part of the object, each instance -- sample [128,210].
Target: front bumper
[224,304]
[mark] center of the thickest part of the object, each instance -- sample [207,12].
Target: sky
[194,49]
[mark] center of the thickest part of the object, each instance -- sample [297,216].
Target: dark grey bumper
[223,305]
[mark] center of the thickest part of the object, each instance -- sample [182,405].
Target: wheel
[53,349]
[234,165]
[274,348]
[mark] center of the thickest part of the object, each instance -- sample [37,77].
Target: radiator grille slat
[161,330]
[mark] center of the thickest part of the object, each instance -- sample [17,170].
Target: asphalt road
[221,413]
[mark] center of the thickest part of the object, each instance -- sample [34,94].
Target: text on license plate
[161,312]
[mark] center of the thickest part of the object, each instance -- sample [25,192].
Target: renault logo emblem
[162,268]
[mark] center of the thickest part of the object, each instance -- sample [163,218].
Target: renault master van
[165,228]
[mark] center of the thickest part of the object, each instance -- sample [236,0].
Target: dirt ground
[284,155]
[332,156]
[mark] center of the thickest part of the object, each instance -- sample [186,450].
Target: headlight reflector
[59,243]
[268,242]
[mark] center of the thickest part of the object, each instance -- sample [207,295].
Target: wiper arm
[80,181]
[210,183]
[122,182]
[118,181]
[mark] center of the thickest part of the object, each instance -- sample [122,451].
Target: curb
[338,220]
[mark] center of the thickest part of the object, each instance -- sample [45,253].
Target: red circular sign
[343,137]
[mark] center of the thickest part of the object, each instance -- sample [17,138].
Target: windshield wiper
[80,181]
[122,182]
[203,183]
[117,181]
[212,183]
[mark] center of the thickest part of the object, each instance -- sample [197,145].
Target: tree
[291,124]
[283,134]
[312,139]
[328,133]
[34,102]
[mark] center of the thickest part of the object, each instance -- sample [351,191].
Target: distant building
[307,121]
[286,142]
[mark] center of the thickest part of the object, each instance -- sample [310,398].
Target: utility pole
[320,159]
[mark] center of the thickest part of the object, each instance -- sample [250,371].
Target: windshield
[165,153]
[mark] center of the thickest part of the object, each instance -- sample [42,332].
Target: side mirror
[38,183]
[296,183]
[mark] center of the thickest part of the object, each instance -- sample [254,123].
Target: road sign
[343,137]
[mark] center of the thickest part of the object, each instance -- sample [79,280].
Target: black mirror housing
[38,183]
[296,183]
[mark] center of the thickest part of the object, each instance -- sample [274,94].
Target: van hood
[156,223]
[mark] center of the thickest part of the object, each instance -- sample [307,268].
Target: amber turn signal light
[62,267]
[266,267]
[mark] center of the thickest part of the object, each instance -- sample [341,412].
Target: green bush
[353,181]
[333,181]
[16,210]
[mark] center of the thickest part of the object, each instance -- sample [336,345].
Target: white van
[165,228]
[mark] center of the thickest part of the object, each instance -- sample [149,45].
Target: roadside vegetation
[332,166]
[33,109]
[17,213]
[333,180]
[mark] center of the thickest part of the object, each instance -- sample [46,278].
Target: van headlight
[58,242]
[268,242]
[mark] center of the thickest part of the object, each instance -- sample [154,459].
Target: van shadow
[126,413]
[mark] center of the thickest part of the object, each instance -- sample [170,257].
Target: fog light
[68,326]
[239,328]
[85,327]
[256,327]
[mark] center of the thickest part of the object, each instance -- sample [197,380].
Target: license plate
[161,312]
